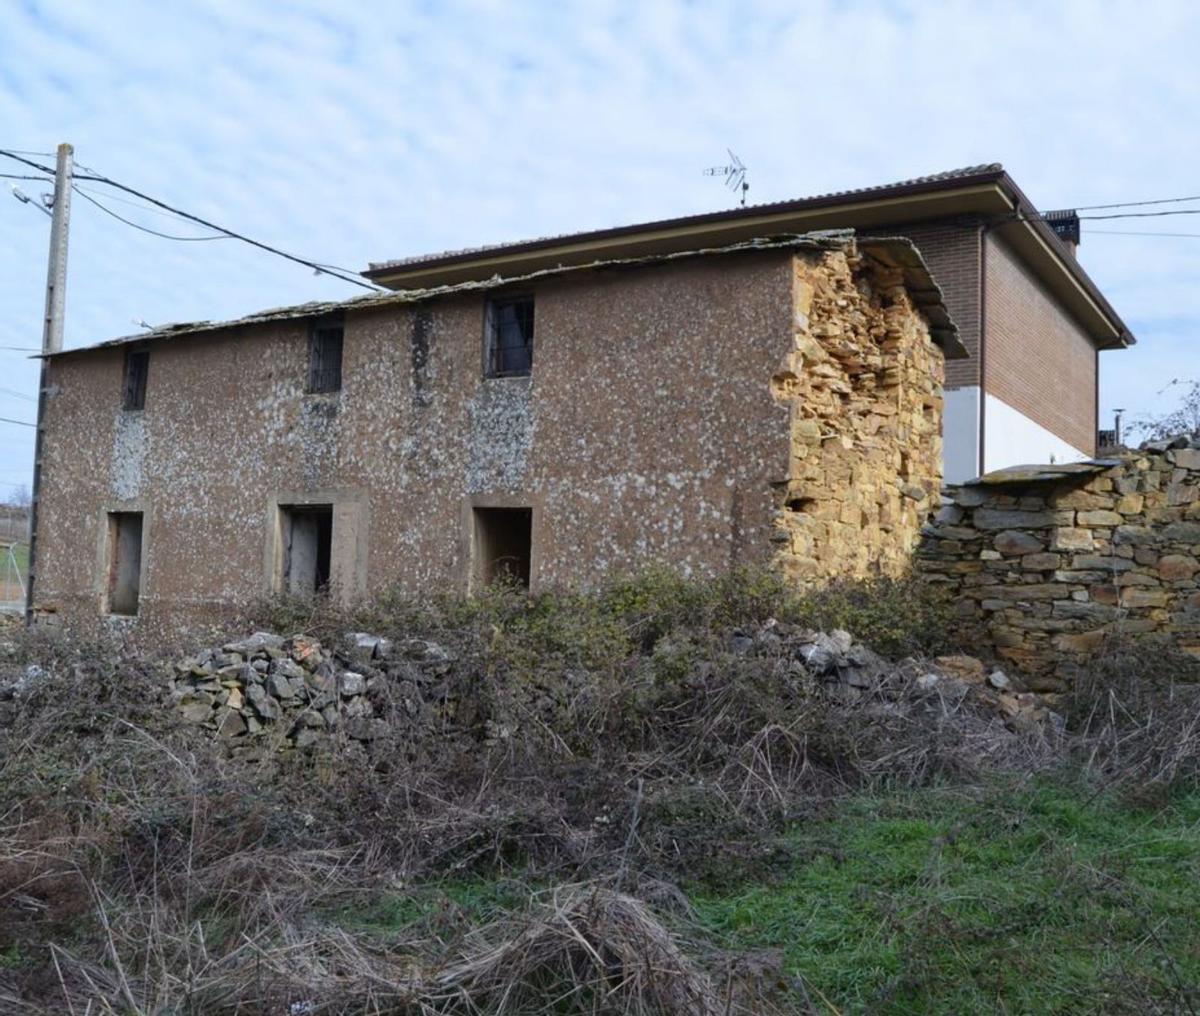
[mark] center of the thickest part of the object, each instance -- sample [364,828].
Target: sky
[362,132]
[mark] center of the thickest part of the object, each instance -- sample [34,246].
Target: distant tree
[21,497]
[1183,419]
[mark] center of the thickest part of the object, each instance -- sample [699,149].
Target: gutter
[1026,213]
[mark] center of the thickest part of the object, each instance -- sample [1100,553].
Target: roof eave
[991,194]
[1046,253]
[877,208]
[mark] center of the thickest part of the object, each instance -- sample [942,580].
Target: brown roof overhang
[986,192]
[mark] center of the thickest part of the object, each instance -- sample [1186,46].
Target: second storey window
[508,337]
[325,357]
[137,367]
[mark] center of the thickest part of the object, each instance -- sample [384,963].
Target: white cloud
[365,133]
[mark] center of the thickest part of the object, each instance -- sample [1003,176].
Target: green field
[10,588]
[1036,901]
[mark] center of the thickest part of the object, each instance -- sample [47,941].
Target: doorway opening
[307,542]
[124,562]
[503,545]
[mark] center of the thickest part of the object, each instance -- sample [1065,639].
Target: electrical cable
[144,229]
[1136,204]
[140,205]
[19,423]
[1125,232]
[314,265]
[16,394]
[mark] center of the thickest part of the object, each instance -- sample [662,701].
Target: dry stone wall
[863,383]
[1057,560]
[267,692]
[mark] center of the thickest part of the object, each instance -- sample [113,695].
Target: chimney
[1065,224]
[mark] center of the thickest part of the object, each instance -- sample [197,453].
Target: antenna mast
[734,173]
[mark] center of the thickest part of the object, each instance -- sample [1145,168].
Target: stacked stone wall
[1057,561]
[863,384]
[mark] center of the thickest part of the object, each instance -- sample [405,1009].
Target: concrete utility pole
[52,338]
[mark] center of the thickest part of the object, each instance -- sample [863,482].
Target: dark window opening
[510,337]
[137,367]
[503,545]
[124,562]
[325,357]
[307,543]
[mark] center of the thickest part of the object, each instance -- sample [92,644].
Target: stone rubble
[301,692]
[849,669]
[268,692]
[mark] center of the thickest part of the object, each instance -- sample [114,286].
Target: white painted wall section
[1012,439]
[960,434]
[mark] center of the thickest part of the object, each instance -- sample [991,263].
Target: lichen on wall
[667,423]
[863,383]
[128,456]
[501,414]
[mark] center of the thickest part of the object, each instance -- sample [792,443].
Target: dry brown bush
[142,870]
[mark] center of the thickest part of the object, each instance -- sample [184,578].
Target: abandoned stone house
[1030,317]
[768,399]
[704,392]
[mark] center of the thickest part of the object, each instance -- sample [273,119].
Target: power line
[1136,204]
[25,176]
[17,394]
[140,205]
[19,423]
[144,229]
[316,266]
[1124,232]
[1143,215]
[21,349]
[1100,218]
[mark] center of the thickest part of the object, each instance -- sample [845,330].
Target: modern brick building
[1032,320]
[766,400]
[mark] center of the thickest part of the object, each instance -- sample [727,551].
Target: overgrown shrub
[620,742]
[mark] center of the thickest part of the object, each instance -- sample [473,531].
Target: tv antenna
[734,173]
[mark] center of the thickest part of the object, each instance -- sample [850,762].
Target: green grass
[1033,901]
[8,583]
[475,902]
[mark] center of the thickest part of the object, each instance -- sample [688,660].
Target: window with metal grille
[325,357]
[137,366]
[509,337]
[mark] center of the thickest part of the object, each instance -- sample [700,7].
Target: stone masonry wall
[864,386]
[685,413]
[1056,560]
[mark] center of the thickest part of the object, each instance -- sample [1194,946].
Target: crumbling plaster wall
[669,419]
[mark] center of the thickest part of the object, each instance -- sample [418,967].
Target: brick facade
[1037,359]
[952,251]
